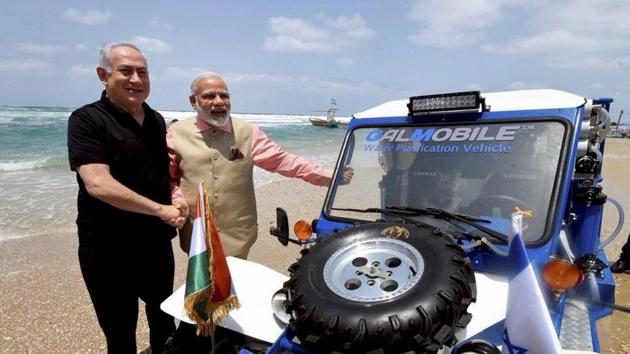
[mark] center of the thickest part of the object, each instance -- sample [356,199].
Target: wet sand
[45,307]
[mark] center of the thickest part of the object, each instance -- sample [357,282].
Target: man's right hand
[101,185]
[182,206]
[168,212]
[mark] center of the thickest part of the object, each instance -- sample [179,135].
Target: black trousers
[625,251]
[117,273]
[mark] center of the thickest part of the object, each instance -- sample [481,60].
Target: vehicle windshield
[477,169]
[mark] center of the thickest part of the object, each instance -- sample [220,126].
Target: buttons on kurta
[216,195]
[215,177]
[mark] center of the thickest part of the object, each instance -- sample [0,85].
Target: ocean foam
[6,120]
[21,165]
[179,115]
[33,117]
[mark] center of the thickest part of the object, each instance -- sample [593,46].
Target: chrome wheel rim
[373,270]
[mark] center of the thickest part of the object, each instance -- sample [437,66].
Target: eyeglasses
[212,95]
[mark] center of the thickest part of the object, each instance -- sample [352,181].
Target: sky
[291,56]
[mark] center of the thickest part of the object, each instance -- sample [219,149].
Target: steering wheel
[484,205]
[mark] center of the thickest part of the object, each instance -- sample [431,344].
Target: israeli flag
[528,327]
[333,101]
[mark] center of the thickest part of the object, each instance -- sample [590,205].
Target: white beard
[208,118]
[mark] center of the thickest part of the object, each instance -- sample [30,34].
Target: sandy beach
[45,307]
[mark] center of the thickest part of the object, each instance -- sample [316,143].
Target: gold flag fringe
[215,312]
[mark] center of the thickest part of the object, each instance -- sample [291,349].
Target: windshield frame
[501,118]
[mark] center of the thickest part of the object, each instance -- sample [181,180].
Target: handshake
[176,213]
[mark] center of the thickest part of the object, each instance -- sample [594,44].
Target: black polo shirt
[137,157]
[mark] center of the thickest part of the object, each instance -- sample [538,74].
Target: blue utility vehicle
[411,254]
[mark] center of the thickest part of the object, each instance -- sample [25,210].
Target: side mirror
[282,230]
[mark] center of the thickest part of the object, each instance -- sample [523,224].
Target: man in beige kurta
[222,150]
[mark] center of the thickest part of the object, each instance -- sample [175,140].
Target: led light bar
[456,102]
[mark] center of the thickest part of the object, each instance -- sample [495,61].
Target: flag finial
[525,213]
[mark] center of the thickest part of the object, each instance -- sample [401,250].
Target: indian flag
[209,295]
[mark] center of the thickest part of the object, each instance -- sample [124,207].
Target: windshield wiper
[447,215]
[438,213]
[405,213]
[402,215]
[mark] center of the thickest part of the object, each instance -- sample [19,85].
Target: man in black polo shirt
[126,216]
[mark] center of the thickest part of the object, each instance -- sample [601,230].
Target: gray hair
[206,75]
[104,60]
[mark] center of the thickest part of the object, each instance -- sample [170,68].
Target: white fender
[254,285]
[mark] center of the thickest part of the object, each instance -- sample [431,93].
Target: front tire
[383,288]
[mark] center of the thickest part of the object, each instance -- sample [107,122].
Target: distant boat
[329,121]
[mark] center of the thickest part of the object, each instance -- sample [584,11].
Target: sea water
[38,190]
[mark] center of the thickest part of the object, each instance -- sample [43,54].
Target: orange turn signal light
[561,275]
[302,230]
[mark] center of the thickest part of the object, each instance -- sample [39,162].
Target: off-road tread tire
[421,320]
